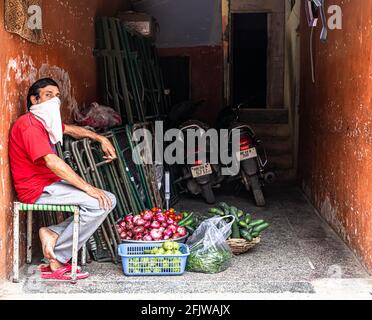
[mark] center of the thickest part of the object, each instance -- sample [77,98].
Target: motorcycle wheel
[207,193]
[257,191]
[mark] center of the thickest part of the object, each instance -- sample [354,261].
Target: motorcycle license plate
[202,170]
[247,154]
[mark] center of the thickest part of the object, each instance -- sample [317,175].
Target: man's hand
[81,133]
[101,196]
[108,149]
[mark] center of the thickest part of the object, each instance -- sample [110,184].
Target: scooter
[252,154]
[197,172]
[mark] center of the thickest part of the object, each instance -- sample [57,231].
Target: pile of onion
[151,225]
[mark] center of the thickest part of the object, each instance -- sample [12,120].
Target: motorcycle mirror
[239,106]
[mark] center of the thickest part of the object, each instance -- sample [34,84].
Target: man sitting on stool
[41,177]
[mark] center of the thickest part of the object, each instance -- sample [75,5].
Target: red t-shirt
[28,143]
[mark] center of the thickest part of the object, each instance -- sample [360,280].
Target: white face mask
[49,114]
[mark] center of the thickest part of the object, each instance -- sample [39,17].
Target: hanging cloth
[23,17]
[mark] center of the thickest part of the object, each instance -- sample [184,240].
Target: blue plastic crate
[136,263]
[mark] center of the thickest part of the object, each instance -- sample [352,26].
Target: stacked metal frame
[130,75]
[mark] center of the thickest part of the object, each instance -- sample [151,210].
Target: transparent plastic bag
[209,251]
[97,116]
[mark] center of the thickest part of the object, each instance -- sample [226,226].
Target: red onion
[156,234]
[170,230]
[135,218]
[128,238]
[138,236]
[148,215]
[147,225]
[176,236]
[122,224]
[129,225]
[155,224]
[170,221]
[173,228]
[130,234]
[160,217]
[168,233]
[120,230]
[161,229]
[128,218]
[123,234]
[166,237]
[147,237]
[138,229]
[140,222]
[164,224]
[182,231]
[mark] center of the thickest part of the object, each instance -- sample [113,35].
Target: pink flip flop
[61,274]
[46,267]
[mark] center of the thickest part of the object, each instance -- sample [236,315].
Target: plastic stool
[17,207]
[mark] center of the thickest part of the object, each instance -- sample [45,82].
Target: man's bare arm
[64,171]
[81,133]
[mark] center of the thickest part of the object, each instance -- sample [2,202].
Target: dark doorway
[249,53]
[176,74]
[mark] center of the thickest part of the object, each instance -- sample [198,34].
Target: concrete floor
[299,257]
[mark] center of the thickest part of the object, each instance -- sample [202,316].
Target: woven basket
[239,246]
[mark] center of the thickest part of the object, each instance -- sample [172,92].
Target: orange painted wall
[336,126]
[67,57]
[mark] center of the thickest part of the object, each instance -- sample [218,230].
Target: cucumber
[240,213]
[225,208]
[186,220]
[223,205]
[248,218]
[255,234]
[243,224]
[246,235]
[256,222]
[187,223]
[261,227]
[235,225]
[189,216]
[235,231]
[216,211]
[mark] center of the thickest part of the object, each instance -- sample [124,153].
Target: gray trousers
[91,215]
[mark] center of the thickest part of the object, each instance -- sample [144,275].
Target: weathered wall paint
[336,126]
[206,77]
[67,57]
